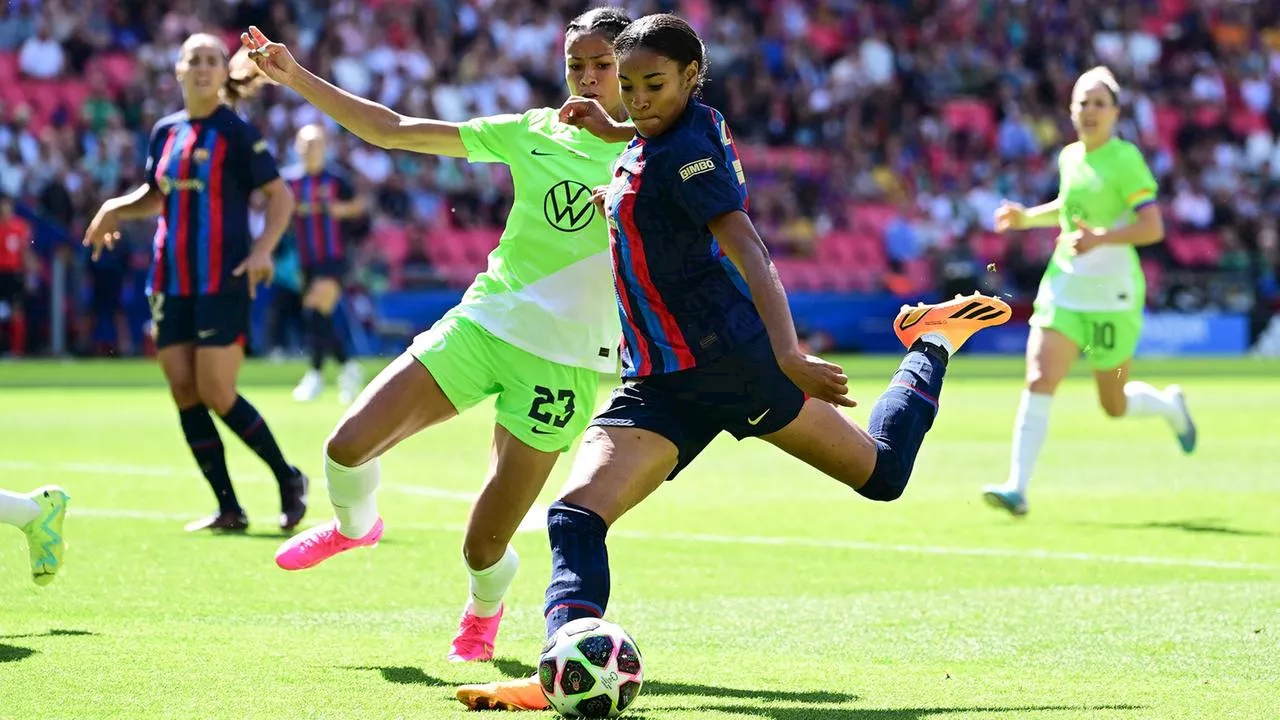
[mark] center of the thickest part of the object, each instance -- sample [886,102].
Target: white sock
[17,510]
[1142,399]
[1029,430]
[942,341]
[351,492]
[489,586]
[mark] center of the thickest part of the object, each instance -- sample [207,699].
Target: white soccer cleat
[309,387]
[350,382]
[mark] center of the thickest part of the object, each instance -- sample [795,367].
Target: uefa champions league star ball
[591,668]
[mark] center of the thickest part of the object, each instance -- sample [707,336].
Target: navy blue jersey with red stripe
[206,169]
[316,231]
[683,302]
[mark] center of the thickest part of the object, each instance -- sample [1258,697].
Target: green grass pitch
[1144,584]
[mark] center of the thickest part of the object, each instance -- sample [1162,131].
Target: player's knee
[482,550]
[1040,383]
[1114,408]
[217,396]
[347,446]
[889,478]
[185,393]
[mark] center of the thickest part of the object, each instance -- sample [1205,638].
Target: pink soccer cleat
[310,548]
[474,641]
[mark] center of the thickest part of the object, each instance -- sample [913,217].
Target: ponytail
[244,79]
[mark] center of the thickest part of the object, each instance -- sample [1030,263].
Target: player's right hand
[102,232]
[1010,216]
[273,59]
[818,379]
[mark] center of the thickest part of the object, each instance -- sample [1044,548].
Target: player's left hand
[818,378]
[586,113]
[261,269]
[1085,238]
[597,199]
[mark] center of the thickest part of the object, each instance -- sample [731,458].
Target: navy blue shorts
[336,269]
[205,320]
[746,394]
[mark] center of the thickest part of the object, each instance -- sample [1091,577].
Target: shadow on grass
[51,633]
[516,669]
[402,675]
[13,653]
[1199,527]
[820,713]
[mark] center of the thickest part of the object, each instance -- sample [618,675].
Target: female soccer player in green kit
[1092,294]
[536,328]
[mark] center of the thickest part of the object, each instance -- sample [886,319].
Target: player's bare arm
[740,241]
[370,121]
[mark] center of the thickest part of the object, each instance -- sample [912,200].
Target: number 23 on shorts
[543,409]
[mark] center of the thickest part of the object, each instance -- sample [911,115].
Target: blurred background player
[39,515]
[708,341]
[324,199]
[15,258]
[202,165]
[1093,291]
[536,328]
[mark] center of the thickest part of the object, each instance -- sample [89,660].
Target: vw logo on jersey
[567,206]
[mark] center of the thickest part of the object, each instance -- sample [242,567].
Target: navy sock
[336,346]
[317,337]
[579,565]
[206,445]
[901,417]
[244,419]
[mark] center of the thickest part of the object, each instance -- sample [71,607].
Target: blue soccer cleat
[999,496]
[1187,437]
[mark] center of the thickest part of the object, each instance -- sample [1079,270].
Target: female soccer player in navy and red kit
[202,165]
[325,199]
[708,341]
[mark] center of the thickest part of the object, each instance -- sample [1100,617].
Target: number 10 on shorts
[1104,335]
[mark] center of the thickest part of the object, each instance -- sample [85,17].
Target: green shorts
[543,403]
[1108,339]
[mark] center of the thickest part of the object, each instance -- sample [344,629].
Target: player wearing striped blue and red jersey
[325,199]
[709,345]
[203,163]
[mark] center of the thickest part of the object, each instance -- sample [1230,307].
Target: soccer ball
[591,668]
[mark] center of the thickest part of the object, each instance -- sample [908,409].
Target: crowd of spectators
[878,137]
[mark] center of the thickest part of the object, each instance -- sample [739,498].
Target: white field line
[535,521]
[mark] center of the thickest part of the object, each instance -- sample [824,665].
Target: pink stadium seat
[991,247]
[73,95]
[872,219]
[119,68]
[8,66]
[446,246]
[1247,123]
[394,242]
[921,273]
[1168,123]
[972,115]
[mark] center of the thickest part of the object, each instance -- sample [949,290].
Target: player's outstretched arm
[1012,216]
[818,378]
[370,121]
[103,231]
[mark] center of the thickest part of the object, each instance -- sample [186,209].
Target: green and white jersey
[548,288]
[1104,188]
